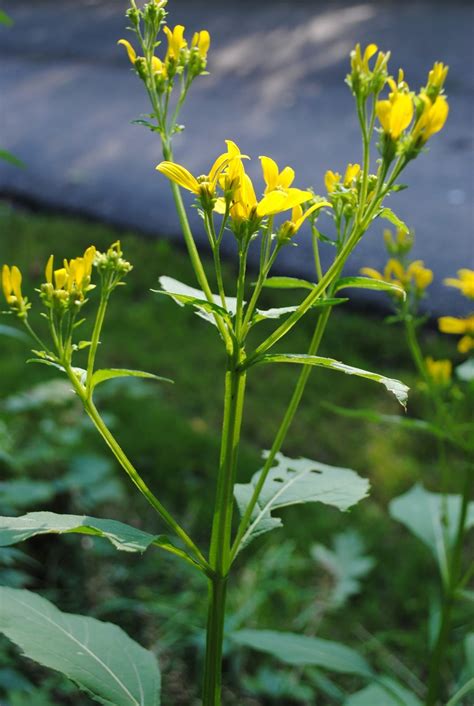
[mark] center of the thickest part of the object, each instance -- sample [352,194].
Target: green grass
[172,433]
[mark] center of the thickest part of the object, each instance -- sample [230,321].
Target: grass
[172,433]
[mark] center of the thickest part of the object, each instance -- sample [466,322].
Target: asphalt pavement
[276,87]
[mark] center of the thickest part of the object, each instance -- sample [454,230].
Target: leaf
[281,311]
[5,19]
[466,689]
[300,650]
[397,420]
[469,650]
[394,386]
[390,216]
[288,283]
[465,371]
[346,563]
[8,156]
[111,373]
[24,493]
[13,332]
[99,657]
[433,518]
[184,295]
[387,693]
[294,482]
[122,536]
[369,283]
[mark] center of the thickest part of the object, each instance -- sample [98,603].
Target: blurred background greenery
[356,577]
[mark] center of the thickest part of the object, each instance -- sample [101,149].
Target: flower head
[465,282]
[436,79]
[432,119]
[11,285]
[414,278]
[176,42]
[464,327]
[201,41]
[395,114]
[439,371]
[289,228]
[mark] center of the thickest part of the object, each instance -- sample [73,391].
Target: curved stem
[99,322]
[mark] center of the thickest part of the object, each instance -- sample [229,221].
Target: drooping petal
[132,54]
[303,216]
[180,175]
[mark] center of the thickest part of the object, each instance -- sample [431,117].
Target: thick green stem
[221,532]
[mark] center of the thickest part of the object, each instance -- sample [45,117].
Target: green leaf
[122,536]
[346,562]
[112,373]
[300,650]
[397,420]
[99,657]
[5,19]
[465,371]
[468,688]
[390,216]
[13,332]
[433,518]
[275,313]
[369,283]
[288,283]
[394,386]
[24,493]
[469,650]
[8,156]
[184,295]
[386,693]
[294,482]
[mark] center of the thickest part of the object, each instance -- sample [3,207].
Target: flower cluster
[182,58]
[365,80]
[228,190]
[66,287]
[461,326]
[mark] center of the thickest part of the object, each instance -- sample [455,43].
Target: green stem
[243,528]
[131,471]
[221,532]
[99,322]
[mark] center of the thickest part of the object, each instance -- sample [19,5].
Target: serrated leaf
[184,295]
[387,692]
[300,650]
[396,387]
[122,536]
[99,657]
[390,216]
[433,518]
[369,283]
[294,482]
[100,376]
[288,283]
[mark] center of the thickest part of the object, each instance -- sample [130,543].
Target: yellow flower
[432,119]
[132,54]
[395,114]
[465,282]
[331,180]
[420,275]
[176,42]
[11,285]
[298,217]
[452,324]
[352,171]
[201,41]
[280,183]
[440,371]
[359,62]
[416,274]
[437,76]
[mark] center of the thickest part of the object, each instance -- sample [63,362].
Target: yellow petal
[294,197]
[331,179]
[401,114]
[451,324]
[180,175]
[273,203]
[370,272]
[60,277]
[286,177]
[6,281]
[16,282]
[351,172]
[49,269]
[383,110]
[270,173]
[368,54]
[132,55]
[466,344]
[303,216]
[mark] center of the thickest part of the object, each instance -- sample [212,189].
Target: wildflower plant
[266,218]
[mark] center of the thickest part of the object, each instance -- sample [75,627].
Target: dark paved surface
[276,87]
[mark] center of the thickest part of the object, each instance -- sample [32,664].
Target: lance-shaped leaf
[387,692]
[288,283]
[111,373]
[99,657]
[300,650]
[277,312]
[294,482]
[184,295]
[369,283]
[122,536]
[392,218]
[399,389]
[433,518]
